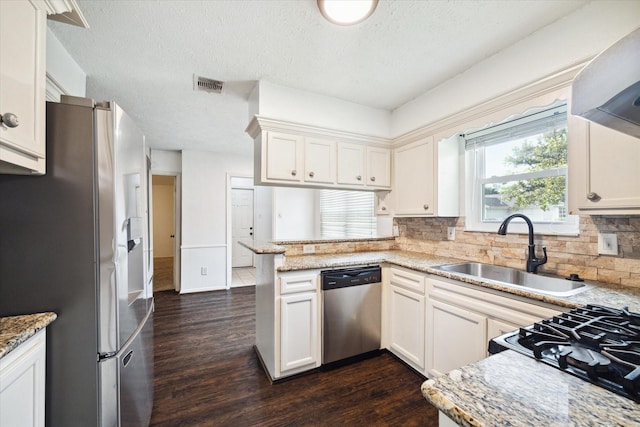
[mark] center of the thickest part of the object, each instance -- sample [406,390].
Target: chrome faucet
[532,261]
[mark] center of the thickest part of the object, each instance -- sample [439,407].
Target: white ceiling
[143,55]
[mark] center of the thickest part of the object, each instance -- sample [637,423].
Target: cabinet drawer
[407,279]
[298,283]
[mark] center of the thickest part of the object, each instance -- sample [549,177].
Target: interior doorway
[241,222]
[241,226]
[165,233]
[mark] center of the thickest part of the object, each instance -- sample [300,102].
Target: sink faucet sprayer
[532,261]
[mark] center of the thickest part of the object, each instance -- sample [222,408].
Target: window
[347,214]
[520,165]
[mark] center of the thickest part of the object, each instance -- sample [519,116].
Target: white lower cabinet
[456,337]
[406,332]
[22,384]
[463,318]
[297,323]
[495,328]
[298,331]
[406,316]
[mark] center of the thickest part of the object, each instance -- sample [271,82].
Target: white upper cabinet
[22,87]
[414,178]
[378,167]
[283,157]
[319,161]
[351,164]
[604,170]
[301,156]
[426,178]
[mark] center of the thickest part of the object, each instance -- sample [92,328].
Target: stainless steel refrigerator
[71,242]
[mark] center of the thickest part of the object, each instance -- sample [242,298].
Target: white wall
[568,41]
[63,69]
[166,161]
[295,213]
[285,103]
[204,233]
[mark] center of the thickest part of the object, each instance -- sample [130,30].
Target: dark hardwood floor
[207,374]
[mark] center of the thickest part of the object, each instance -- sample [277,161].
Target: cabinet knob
[384,208]
[373,179]
[593,197]
[426,207]
[294,172]
[359,178]
[311,174]
[9,120]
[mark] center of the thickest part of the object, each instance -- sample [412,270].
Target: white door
[241,226]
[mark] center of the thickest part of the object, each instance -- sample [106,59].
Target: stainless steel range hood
[607,90]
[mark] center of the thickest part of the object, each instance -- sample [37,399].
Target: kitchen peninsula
[506,388]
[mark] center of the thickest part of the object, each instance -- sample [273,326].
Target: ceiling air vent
[207,85]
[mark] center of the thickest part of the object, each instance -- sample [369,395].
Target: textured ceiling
[143,55]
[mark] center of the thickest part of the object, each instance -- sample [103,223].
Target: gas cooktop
[598,344]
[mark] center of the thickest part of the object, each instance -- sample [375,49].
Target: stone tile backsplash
[567,254]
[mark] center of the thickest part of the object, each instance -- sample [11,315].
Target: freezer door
[126,381]
[119,166]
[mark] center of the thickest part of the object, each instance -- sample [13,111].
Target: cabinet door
[414,179]
[22,384]
[406,326]
[298,331]
[455,337]
[611,174]
[22,85]
[319,161]
[350,164]
[378,167]
[284,157]
[495,328]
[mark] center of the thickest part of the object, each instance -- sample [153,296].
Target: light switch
[607,244]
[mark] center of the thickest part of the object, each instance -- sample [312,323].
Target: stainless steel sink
[516,278]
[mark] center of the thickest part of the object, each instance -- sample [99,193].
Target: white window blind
[347,214]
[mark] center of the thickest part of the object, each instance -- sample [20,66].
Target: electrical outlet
[203,271]
[607,244]
[451,233]
[308,249]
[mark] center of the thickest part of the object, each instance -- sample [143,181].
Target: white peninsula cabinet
[426,178]
[405,319]
[22,383]
[22,87]
[461,320]
[299,322]
[303,156]
[364,166]
[604,172]
[287,318]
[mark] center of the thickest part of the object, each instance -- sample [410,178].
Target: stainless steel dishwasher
[351,312]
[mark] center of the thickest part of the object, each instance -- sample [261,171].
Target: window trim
[473,198]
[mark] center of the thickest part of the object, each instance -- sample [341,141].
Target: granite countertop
[600,293]
[262,248]
[510,389]
[15,330]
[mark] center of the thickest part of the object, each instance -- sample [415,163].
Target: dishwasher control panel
[334,279]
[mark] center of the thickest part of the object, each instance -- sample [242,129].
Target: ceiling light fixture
[347,12]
